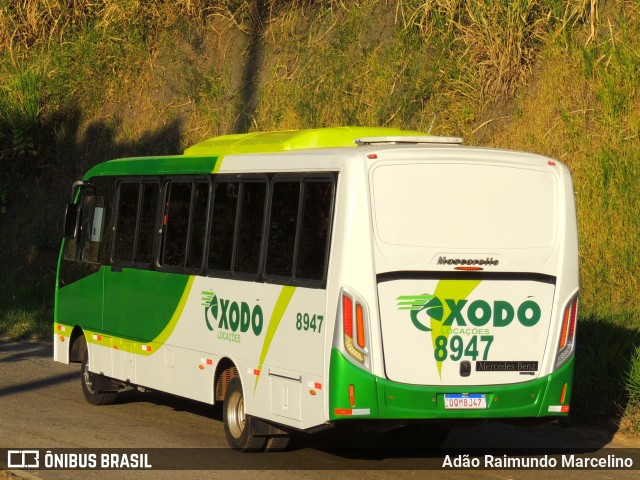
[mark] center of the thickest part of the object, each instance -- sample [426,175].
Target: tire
[239,427]
[278,444]
[88,380]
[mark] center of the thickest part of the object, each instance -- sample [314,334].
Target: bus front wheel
[239,427]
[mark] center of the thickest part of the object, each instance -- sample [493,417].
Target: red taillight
[567,341]
[565,326]
[347,315]
[574,314]
[360,326]
[352,307]
[569,323]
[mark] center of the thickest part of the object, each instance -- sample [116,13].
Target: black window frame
[72,267]
[140,180]
[327,248]
[161,236]
[301,178]
[269,180]
[75,249]
[241,179]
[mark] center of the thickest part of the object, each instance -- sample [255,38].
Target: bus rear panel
[476,285]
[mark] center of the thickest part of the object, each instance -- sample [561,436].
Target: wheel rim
[87,376]
[235,415]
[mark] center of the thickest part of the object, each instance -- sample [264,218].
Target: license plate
[460,401]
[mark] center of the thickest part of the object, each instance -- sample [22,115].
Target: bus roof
[205,156]
[271,142]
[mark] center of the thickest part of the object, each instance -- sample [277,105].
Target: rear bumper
[379,398]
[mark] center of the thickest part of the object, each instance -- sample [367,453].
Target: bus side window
[223,221]
[127,212]
[86,246]
[282,228]
[250,227]
[185,224]
[91,230]
[176,229]
[135,230]
[147,223]
[313,241]
[237,225]
[198,230]
[299,229]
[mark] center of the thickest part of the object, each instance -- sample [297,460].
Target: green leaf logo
[434,308]
[423,308]
[210,304]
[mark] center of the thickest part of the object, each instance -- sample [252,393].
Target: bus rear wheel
[239,427]
[89,380]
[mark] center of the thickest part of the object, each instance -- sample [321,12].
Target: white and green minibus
[374,277]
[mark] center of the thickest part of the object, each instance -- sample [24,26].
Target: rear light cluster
[354,326]
[567,342]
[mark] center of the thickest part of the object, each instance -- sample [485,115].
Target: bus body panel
[81,301]
[379,398]
[431,329]
[140,303]
[274,334]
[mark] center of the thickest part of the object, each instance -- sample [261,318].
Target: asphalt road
[42,407]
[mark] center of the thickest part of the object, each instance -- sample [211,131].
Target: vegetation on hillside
[84,81]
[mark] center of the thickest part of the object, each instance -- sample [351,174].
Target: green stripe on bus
[168,330]
[278,311]
[166,165]
[454,289]
[216,167]
[140,347]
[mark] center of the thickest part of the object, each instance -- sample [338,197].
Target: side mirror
[71,221]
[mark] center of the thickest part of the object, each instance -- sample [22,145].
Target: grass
[605,363]
[84,81]
[24,324]
[607,376]
[499,38]
[631,413]
[25,307]
[20,105]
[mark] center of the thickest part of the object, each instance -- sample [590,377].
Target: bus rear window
[461,205]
